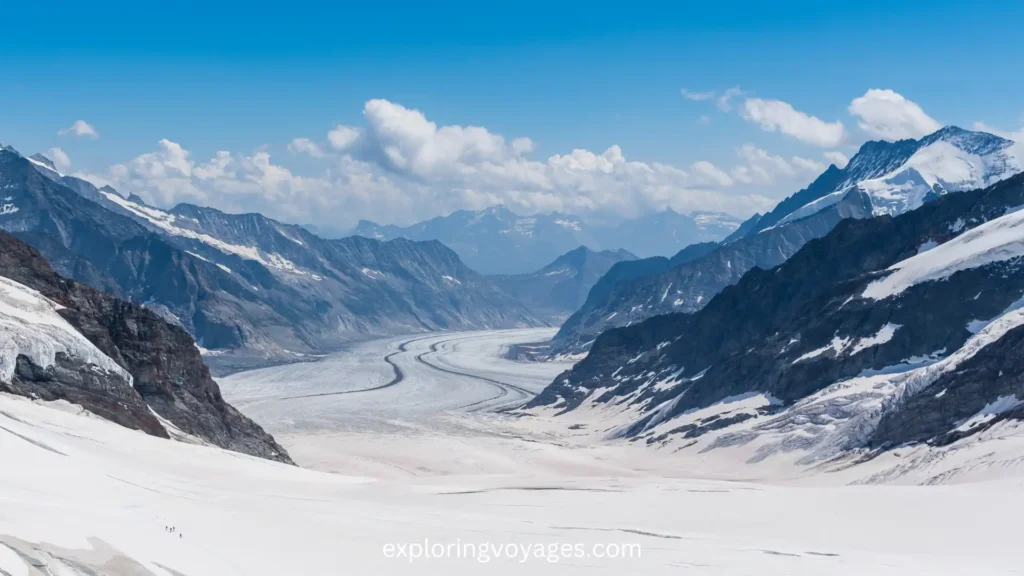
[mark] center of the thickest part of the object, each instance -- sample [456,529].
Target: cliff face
[168,375]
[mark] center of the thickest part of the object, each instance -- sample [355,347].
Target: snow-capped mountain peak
[950,160]
[900,176]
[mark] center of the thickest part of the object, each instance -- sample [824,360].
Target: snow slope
[30,326]
[950,160]
[956,164]
[168,223]
[144,506]
[994,241]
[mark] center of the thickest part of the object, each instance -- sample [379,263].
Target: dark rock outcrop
[168,372]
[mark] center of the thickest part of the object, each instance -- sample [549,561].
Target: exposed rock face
[558,289]
[102,393]
[845,360]
[168,372]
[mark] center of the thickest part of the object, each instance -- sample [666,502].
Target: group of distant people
[172,530]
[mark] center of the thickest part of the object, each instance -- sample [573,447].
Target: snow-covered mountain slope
[689,280]
[901,176]
[62,340]
[31,327]
[950,160]
[884,332]
[498,241]
[558,289]
[82,497]
[263,290]
[882,178]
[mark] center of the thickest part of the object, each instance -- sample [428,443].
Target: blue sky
[249,79]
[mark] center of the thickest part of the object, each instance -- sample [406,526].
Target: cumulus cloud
[776,115]
[343,137]
[837,158]
[399,166]
[708,173]
[887,115]
[761,167]
[60,159]
[305,146]
[236,182]
[80,128]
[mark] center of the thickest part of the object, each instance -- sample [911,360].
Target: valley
[549,290]
[437,461]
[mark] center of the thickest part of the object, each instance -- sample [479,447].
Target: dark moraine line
[398,377]
[504,387]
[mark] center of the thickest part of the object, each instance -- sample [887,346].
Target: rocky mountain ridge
[883,332]
[250,288]
[882,178]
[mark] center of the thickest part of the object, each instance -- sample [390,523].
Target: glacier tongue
[30,326]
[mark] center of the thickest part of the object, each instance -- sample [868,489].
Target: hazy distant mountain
[495,240]
[498,241]
[558,289]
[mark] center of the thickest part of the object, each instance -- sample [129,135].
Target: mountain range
[885,331]
[498,241]
[250,289]
[883,178]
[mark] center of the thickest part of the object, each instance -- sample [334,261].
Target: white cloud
[522,145]
[697,96]
[401,167]
[80,128]
[342,137]
[762,167]
[724,102]
[837,158]
[305,146]
[888,115]
[709,174]
[60,159]
[1016,136]
[776,115]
